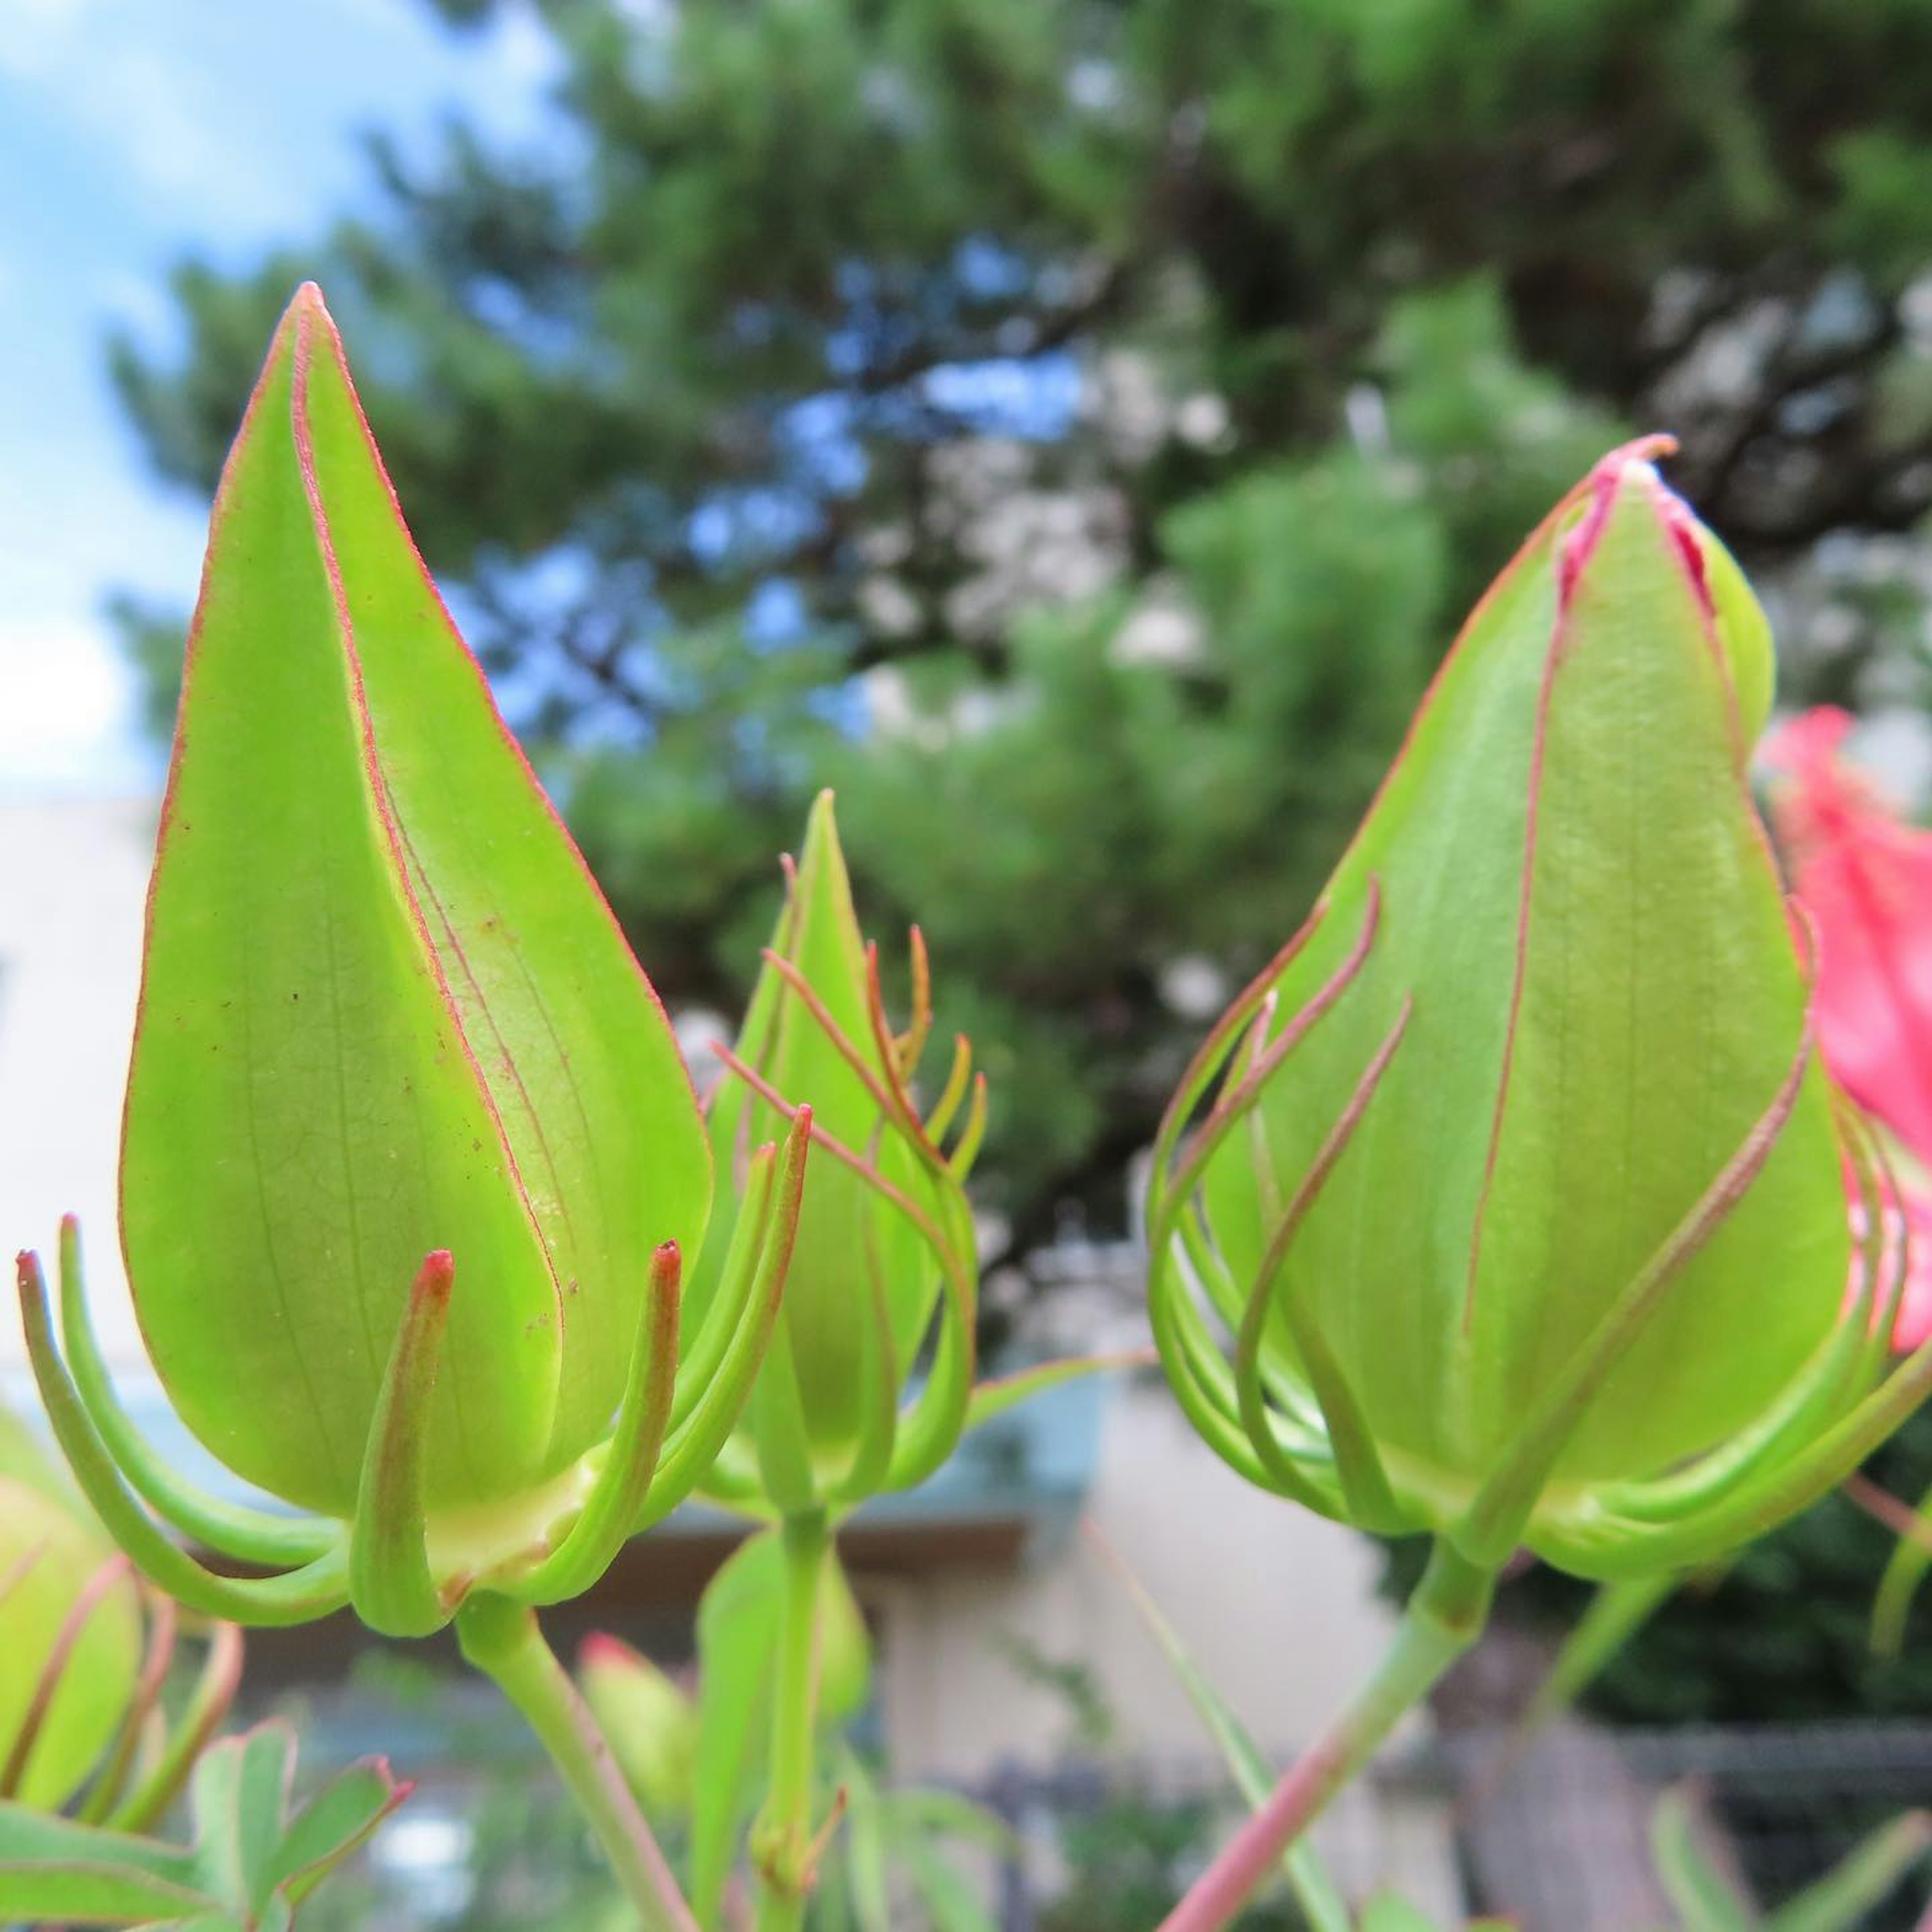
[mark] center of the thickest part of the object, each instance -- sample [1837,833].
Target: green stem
[781,1844]
[1444,1618]
[501,1638]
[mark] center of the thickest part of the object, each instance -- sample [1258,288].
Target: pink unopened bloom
[1864,876]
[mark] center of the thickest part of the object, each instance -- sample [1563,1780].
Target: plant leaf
[1705,1900]
[1859,1882]
[737,1648]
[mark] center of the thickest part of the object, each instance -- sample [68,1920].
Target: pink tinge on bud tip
[600,1651]
[437,1273]
[1634,462]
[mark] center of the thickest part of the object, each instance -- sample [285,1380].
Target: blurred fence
[1558,1844]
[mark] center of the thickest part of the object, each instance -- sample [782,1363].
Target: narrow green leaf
[30,1837]
[1705,1899]
[332,1826]
[994,1397]
[1386,1913]
[81,1895]
[1315,1891]
[1860,1882]
[737,1648]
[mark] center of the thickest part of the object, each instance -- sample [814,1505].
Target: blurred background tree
[1073,428]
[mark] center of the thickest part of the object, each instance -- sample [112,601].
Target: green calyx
[412,1165]
[884,1254]
[1520,1191]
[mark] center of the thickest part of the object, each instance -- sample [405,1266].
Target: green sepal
[391,1584]
[629,1461]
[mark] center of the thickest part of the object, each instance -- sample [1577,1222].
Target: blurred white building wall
[73,876]
[1277,1605]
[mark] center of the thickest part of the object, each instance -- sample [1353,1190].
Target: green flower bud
[652,1724]
[885,1236]
[1520,1202]
[390,1032]
[70,1632]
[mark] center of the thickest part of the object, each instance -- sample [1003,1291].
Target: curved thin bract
[631,1460]
[1358,1466]
[1598,1543]
[691,1453]
[390,1581]
[255,1536]
[317,1589]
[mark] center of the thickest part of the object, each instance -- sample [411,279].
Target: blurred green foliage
[1074,428]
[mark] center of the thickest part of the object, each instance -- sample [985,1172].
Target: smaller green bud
[70,1631]
[884,1249]
[651,1723]
[1520,1202]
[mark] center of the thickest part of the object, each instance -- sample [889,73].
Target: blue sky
[131,130]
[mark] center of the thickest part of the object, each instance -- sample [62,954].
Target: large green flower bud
[389,1032]
[884,1248]
[1521,1201]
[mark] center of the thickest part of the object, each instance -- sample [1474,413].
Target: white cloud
[66,708]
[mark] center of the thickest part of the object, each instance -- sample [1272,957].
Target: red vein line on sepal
[1364,1482]
[115,1570]
[217,537]
[1641,448]
[1237,1097]
[1509,1494]
[307,311]
[317,312]
[1525,892]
